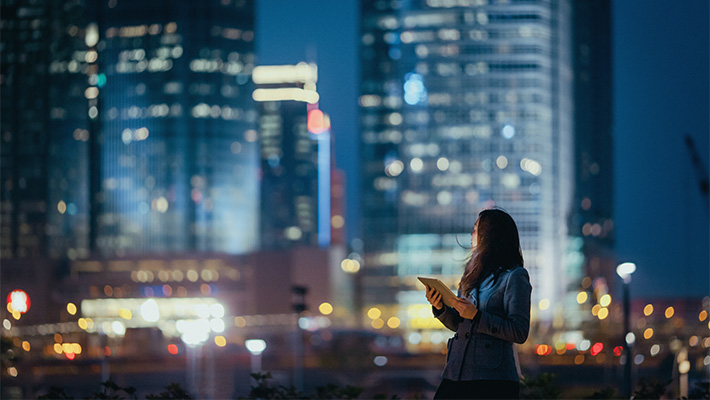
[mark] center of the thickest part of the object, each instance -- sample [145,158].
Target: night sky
[661,91]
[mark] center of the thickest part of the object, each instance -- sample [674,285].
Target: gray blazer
[482,347]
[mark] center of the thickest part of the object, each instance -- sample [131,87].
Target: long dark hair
[497,249]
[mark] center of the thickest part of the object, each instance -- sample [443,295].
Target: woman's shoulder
[517,272]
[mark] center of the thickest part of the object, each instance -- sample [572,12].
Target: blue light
[324,189]
[101,80]
[414,90]
[274,160]
[508,131]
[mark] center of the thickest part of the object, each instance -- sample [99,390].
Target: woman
[491,313]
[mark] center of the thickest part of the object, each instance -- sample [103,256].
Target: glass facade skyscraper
[288,155]
[465,105]
[146,136]
[592,222]
[178,151]
[44,128]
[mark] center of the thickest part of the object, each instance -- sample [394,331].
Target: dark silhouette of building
[592,217]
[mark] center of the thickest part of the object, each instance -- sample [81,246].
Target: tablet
[446,294]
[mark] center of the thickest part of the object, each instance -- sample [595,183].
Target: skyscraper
[465,105]
[26,37]
[139,133]
[592,222]
[178,152]
[289,155]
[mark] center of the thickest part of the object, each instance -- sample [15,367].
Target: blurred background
[194,191]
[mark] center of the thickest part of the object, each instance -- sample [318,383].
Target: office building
[178,153]
[591,258]
[295,152]
[133,131]
[29,41]
[465,105]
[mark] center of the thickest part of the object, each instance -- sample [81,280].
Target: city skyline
[174,185]
[636,235]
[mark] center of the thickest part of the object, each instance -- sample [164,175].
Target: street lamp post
[625,270]
[255,347]
[194,335]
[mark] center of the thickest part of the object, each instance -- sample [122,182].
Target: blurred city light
[194,332]
[255,346]
[655,349]
[374,313]
[605,300]
[603,313]
[630,338]
[596,349]
[648,310]
[669,312]
[648,333]
[149,311]
[377,323]
[625,270]
[318,122]
[299,73]
[544,304]
[18,301]
[325,308]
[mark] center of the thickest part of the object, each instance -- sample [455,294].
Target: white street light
[625,270]
[150,310]
[194,333]
[255,347]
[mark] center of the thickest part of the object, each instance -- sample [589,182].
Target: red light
[543,349]
[70,356]
[618,350]
[107,351]
[596,349]
[570,346]
[172,349]
[317,121]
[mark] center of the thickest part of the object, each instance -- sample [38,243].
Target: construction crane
[700,170]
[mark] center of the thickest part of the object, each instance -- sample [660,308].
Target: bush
[111,390]
[651,389]
[540,387]
[606,393]
[263,390]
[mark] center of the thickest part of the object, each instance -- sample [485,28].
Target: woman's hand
[434,297]
[465,308]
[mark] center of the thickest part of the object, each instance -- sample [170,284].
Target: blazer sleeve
[515,326]
[448,316]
